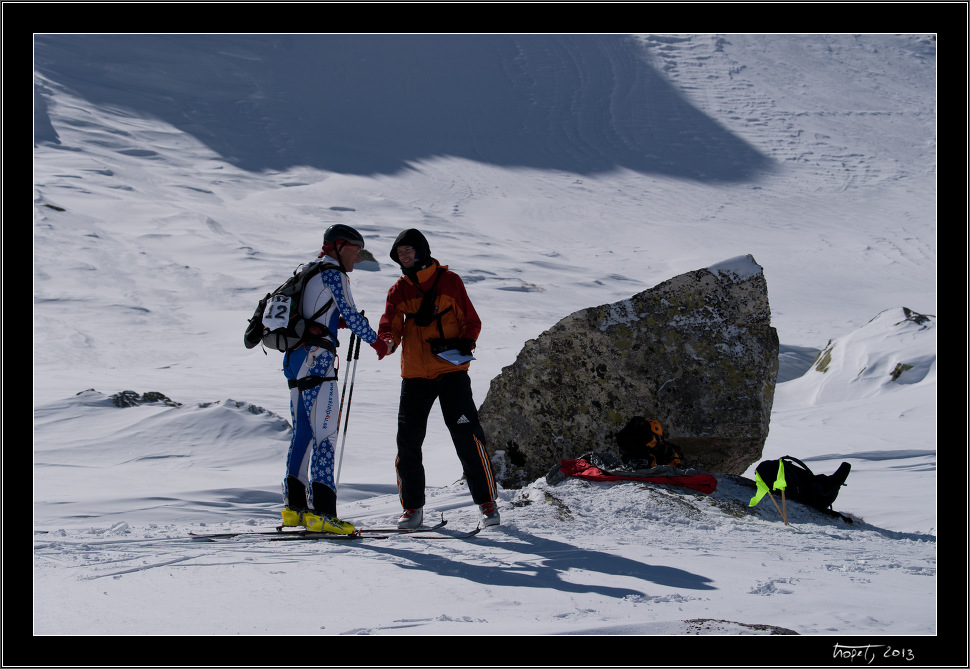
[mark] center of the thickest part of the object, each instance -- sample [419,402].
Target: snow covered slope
[174,186]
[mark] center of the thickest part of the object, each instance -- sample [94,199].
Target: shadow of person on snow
[543,563]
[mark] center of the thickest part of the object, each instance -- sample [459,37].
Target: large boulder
[696,352]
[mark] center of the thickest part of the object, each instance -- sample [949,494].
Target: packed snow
[174,186]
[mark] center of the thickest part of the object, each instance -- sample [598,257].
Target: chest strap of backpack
[323,339]
[424,316]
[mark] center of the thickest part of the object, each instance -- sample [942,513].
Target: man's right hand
[381,348]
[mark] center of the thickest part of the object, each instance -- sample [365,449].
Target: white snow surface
[151,248]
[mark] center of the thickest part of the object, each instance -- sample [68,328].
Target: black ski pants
[454,393]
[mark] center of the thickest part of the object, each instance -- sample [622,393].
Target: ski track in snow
[584,543]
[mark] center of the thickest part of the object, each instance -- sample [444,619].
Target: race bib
[277,312]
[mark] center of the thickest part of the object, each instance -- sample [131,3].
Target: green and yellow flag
[780,483]
[762,489]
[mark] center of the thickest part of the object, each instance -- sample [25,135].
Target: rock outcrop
[696,352]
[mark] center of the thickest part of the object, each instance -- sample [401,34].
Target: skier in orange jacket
[429,314]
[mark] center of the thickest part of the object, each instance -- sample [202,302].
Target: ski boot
[489,514]
[411,519]
[318,520]
[324,523]
[294,501]
[292,517]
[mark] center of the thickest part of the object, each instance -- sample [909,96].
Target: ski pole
[350,348]
[777,507]
[350,395]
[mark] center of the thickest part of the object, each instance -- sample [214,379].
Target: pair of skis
[294,534]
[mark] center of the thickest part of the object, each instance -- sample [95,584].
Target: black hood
[415,240]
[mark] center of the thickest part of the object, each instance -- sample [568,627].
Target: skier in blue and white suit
[314,401]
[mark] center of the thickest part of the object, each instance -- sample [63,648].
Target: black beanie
[417,241]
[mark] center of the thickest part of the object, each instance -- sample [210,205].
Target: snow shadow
[543,563]
[373,104]
[794,361]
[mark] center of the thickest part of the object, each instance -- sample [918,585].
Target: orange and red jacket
[458,320]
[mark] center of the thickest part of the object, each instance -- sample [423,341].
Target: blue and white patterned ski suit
[315,410]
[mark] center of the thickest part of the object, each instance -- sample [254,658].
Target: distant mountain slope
[366,104]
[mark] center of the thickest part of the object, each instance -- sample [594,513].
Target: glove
[380,346]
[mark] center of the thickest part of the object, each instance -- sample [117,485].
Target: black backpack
[815,490]
[277,323]
[642,442]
